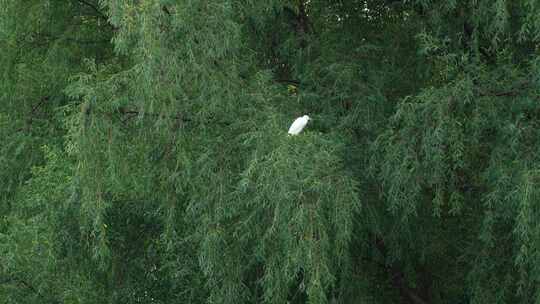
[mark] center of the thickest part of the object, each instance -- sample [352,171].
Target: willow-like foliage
[144,155]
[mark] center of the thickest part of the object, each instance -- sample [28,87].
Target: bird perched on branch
[298,125]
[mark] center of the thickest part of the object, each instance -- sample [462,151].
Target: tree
[144,153]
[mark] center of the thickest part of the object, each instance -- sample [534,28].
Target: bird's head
[306,117]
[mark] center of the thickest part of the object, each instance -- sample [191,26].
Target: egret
[298,125]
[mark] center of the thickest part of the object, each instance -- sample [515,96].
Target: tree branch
[85,41]
[30,117]
[94,8]
[99,13]
[291,81]
[513,92]
[132,113]
[41,102]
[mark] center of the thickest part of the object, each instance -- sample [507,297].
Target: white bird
[298,125]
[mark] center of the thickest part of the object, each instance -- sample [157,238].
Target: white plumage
[298,125]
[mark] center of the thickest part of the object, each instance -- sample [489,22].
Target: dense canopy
[144,156]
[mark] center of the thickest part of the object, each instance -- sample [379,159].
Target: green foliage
[145,157]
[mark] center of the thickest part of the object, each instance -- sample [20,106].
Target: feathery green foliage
[145,158]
